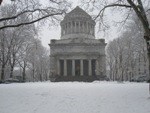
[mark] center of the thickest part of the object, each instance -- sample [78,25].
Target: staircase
[75,78]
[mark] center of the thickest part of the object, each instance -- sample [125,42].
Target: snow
[75,97]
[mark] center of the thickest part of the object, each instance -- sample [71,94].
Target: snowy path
[75,97]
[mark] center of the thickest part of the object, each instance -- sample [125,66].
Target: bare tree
[129,50]
[12,40]
[5,52]
[39,61]
[112,61]
[16,41]
[24,54]
[141,9]
[34,12]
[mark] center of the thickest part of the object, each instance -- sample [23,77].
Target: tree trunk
[12,67]
[2,72]
[41,77]
[24,72]
[33,72]
[12,63]
[149,62]
[147,38]
[148,53]
[3,58]
[11,71]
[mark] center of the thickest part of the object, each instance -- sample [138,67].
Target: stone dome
[77,24]
[77,13]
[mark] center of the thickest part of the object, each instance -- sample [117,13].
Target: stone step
[75,78]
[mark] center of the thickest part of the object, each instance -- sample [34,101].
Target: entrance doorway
[85,67]
[69,67]
[77,67]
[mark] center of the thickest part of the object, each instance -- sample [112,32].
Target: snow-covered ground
[75,97]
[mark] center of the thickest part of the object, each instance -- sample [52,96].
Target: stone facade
[77,55]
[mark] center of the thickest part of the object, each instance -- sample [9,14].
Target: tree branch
[112,5]
[21,13]
[148,10]
[141,16]
[1,2]
[31,22]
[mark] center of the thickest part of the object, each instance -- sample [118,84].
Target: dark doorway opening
[77,67]
[61,67]
[69,67]
[85,67]
[93,67]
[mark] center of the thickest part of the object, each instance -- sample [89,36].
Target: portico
[76,67]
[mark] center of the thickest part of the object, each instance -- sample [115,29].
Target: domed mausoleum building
[77,55]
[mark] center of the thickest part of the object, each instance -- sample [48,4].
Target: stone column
[73,67]
[65,67]
[97,67]
[71,27]
[79,29]
[93,30]
[90,67]
[87,27]
[67,28]
[83,27]
[75,30]
[81,67]
[58,67]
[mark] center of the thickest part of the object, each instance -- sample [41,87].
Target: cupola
[77,24]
